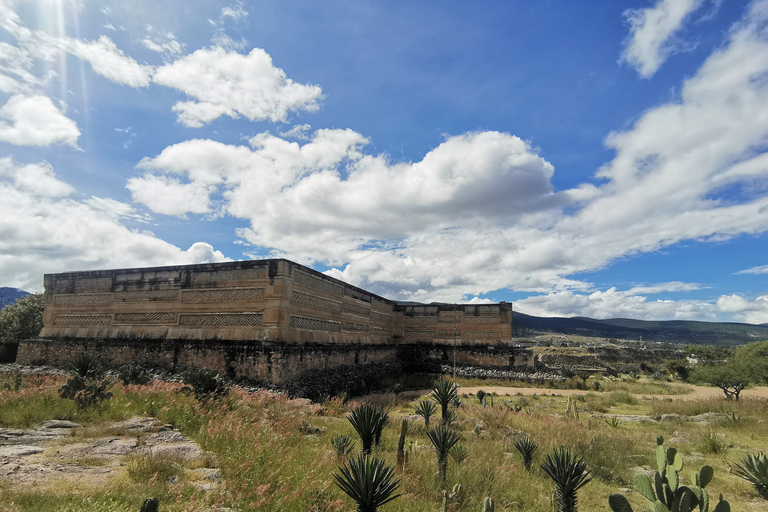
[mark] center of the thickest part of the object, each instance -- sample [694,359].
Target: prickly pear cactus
[664,493]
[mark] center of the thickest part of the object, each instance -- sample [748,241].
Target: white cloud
[162,42]
[762,269]
[169,196]
[103,55]
[651,38]
[478,212]
[235,12]
[44,230]
[743,310]
[35,121]
[299,132]
[232,84]
[108,60]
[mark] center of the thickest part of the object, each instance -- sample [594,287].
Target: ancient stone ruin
[271,321]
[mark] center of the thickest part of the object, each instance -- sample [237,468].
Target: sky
[591,158]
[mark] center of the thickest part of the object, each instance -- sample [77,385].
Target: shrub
[205,384]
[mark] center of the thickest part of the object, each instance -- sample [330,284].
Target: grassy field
[275,453]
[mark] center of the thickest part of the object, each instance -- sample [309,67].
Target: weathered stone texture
[249,308]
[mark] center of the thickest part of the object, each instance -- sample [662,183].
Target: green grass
[269,464]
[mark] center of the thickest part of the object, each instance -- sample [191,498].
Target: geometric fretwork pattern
[418,334]
[82,299]
[379,317]
[480,320]
[230,275]
[351,308]
[423,310]
[448,332]
[450,319]
[238,294]
[380,331]
[137,295]
[220,319]
[380,305]
[145,317]
[420,320]
[82,319]
[314,324]
[481,334]
[314,282]
[355,327]
[315,302]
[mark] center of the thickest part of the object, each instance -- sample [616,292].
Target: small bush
[143,467]
[343,445]
[205,384]
[709,442]
[85,392]
[623,397]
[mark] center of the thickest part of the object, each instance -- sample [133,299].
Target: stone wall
[268,320]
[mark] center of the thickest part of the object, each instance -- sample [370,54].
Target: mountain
[10,295]
[670,331]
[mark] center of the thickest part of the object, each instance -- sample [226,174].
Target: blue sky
[593,158]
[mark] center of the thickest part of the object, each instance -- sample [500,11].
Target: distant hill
[10,295]
[670,331]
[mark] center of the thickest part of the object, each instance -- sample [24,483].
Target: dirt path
[699,392]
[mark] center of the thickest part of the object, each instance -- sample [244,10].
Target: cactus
[664,493]
[401,445]
[150,505]
[368,481]
[569,474]
[488,504]
[754,469]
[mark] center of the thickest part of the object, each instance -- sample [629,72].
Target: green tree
[679,367]
[748,364]
[20,321]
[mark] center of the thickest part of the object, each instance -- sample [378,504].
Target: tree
[749,364]
[678,367]
[20,321]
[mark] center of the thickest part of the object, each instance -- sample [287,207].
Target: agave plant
[87,366]
[205,384]
[368,421]
[526,446]
[426,409]
[443,439]
[444,392]
[368,481]
[343,445]
[459,453]
[754,469]
[569,474]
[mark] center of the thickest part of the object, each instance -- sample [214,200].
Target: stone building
[271,321]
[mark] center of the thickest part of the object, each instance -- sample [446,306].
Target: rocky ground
[60,452]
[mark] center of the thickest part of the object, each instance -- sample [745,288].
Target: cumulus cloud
[651,38]
[35,121]
[232,84]
[43,230]
[478,213]
[634,303]
[169,196]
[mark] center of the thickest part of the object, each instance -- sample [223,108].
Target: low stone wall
[278,364]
